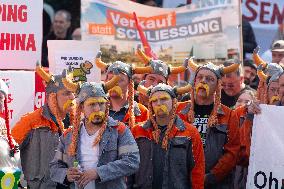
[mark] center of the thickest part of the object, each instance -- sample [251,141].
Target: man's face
[60,24]
[137,78]
[281,89]
[154,79]
[65,100]
[249,74]
[2,98]
[277,56]
[205,83]
[232,84]
[273,92]
[162,104]
[122,88]
[94,109]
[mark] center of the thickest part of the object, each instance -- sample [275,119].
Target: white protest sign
[80,55]
[21,33]
[266,166]
[21,93]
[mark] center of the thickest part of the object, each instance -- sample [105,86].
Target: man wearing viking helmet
[38,132]
[103,147]
[268,88]
[170,149]
[215,122]
[122,105]
[9,156]
[160,73]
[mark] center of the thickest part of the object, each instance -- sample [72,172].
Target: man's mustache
[161,108]
[99,114]
[274,98]
[116,90]
[68,103]
[202,86]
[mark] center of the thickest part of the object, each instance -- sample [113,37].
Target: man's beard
[116,92]
[96,117]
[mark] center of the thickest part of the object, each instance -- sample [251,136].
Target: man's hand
[73,174]
[87,177]
[253,107]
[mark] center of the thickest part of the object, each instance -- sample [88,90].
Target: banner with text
[207,32]
[266,18]
[21,33]
[267,153]
[21,93]
[77,55]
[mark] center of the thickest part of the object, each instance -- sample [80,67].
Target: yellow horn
[144,57]
[257,59]
[230,68]
[192,65]
[261,75]
[142,70]
[177,70]
[68,84]
[185,89]
[100,64]
[143,90]
[111,83]
[42,73]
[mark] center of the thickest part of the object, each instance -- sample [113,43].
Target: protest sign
[265,17]
[21,33]
[80,55]
[208,32]
[21,93]
[266,163]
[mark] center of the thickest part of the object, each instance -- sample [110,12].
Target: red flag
[146,45]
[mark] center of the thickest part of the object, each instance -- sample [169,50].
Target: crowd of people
[96,135]
[134,130]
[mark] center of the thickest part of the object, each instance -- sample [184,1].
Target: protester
[9,157]
[170,149]
[268,89]
[122,105]
[250,75]
[244,106]
[277,51]
[232,85]
[215,122]
[160,74]
[60,31]
[38,132]
[104,148]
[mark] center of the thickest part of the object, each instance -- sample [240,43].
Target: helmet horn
[68,83]
[185,89]
[99,63]
[143,56]
[192,65]
[111,83]
[42,73]
[256,58]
